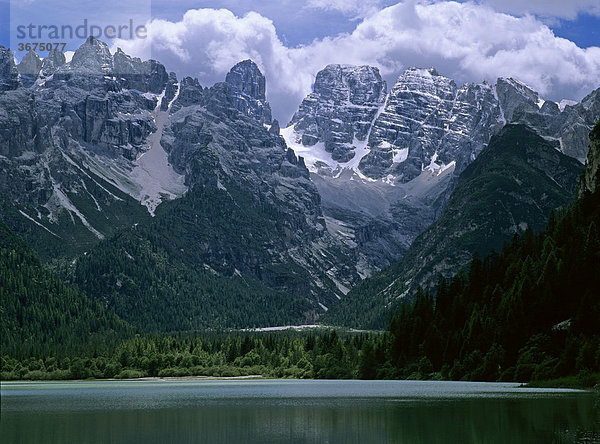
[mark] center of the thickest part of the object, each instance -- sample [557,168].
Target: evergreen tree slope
[40,314]
[529,313]
[157,275]
[512,186]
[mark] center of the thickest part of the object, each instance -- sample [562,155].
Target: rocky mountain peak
[125,64]
[92,57]
[426,124]
[248,86]
[9,76]
[147,76]
[190,93]
[423,72]
[339,111]
[360,85]
[29,68]
[54,60]
[516,98]
[426,80]
[246,78]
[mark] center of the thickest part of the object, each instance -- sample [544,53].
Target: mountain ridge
[406,148]
[95,147]
[511,187]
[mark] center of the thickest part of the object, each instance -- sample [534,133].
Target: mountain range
[183,207]
[386,163]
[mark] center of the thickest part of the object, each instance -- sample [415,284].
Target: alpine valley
[162,205]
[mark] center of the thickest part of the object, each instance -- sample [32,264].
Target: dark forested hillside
[154,276]
[530,312]
[41,315]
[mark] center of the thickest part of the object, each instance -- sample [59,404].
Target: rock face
[516,98]
[92,57]
[429,122]
[415,147]
[54,60]
[248,86]
[147,76]
[568,129]
[9,76]
[91,139]
[69,144]
[340,110]
[29,68]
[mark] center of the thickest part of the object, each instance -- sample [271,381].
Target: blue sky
[584,30]
[292,40]
[302,25]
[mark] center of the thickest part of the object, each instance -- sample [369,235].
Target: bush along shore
[287,354]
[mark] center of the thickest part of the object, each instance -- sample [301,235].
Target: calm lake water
[289,411]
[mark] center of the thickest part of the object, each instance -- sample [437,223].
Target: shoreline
[145,378]
[520,385]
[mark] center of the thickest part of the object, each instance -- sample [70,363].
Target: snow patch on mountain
[314,156]
[156,178]
[317,158]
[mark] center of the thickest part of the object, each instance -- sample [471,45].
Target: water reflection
[240,415]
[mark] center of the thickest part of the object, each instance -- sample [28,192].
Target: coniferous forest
[528,313]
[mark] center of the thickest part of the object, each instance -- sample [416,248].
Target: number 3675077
[35,46]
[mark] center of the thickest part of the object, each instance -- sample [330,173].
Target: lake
[292,411]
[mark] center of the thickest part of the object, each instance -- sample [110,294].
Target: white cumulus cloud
[465,41]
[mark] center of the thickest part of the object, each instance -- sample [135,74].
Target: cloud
[465,41]
[356,8]
[564,9]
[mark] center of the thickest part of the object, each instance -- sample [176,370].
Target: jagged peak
[190,81]
[9,76]
[519,86]
[422,75]
[54,60]
[55,56]
[246,62]
[31,55]
[124,63]
[348,67]
[336,76]
[515,82]
[30,64]
[248,89]
[424,80]
[93,55]
[247,78]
